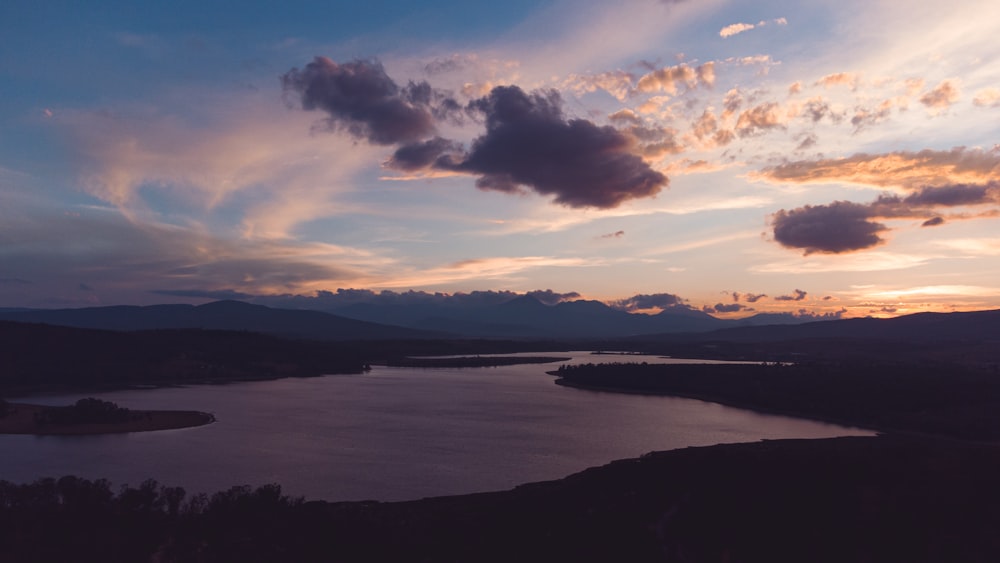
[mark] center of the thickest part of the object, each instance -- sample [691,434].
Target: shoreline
[21,421]
[735,404]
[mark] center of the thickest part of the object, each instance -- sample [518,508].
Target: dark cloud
[651,301]
[437,153]
[841,226]
[724,308]
[14,281]
[960,194]
[799,296]
[84,287]
[749,297]
[818,108]
[616,234]
[529,143]
[217,294]
[828,316]
[550,297]
[363,100]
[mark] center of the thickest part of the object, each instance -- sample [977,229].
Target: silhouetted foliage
[85,411]
[4,408]
[845,499]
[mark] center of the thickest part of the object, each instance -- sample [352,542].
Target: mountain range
[524,317]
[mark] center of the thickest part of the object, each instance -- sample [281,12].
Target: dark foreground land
[836,500]
[925,491]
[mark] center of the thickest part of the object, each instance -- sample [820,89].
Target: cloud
[735,28]
[618,83]
[643,302]
[654,142]
[550,297]
[724,308]
[848,79]
[949,196]
[841,226]
[437,153]
[668,79]
[799,295]
[529,143]
[344,297]
[123,260]
[865,117]
[748,297]
[758,119]
[360,98]
[987,98]
[942,96]
[844,226]
[817,108]
[905,169]
[243,154]
[616,234]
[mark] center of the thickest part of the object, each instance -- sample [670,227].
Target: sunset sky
[829,157]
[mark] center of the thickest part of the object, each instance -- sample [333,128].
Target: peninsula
[92,416]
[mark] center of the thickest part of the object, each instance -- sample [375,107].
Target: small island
[92,416]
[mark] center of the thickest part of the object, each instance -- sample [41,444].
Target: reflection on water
[393,434]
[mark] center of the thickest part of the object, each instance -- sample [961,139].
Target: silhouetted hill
[962,326]
[219,315]
[44,357]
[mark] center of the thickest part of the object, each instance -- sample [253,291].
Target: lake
[392,433]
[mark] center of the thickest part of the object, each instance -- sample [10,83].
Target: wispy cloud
[867,262]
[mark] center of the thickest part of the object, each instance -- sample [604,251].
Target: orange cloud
[618,83]
[667,79]
[758,120]
[839,79]
[987,97]
[905,169]
[941,97]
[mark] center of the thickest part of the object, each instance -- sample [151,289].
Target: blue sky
[830,157]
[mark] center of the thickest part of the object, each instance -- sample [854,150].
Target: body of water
[393,433]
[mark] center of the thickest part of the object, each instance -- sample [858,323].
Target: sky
[822,158]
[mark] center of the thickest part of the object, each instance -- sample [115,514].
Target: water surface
[393,433]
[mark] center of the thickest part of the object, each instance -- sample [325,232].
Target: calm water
[392,434]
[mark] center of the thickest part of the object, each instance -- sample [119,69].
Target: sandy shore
[21,420]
